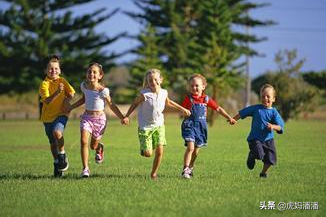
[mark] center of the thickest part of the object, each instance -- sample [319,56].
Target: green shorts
[149,139]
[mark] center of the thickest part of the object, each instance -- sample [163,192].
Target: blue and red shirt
[199,99]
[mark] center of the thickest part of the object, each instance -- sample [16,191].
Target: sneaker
[99,155]
[186,173]
[191,171]
[263,175]
[56,172]
[85,173]
[63,162]
[251,161]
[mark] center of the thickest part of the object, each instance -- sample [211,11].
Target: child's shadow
[16,176]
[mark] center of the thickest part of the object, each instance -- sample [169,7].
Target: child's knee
[57,134]
[147,153]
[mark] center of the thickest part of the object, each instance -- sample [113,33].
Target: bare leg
[84,148]
[59,140]
[194,157]
[188,154]
[265,168]
[147,153]
[157,161]
[54,150]
[94,143]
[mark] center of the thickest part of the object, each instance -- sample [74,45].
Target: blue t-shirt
[260,117]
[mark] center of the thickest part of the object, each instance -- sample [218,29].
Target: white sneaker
[186,173]
[85,173]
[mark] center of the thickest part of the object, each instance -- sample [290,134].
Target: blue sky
[301,26]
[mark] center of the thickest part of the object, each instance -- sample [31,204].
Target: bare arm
[66,102]
[78,103]
[55,94]
[236,117]
[221,111]
[139,99]
[172,104]
[274,127]
[114,108]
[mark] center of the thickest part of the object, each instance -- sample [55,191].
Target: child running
[265,119]
[55,93]
[93,120]
[194,128]
[151,129]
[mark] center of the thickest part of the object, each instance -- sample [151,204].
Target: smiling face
[267,96]
[94,74]
[154,81]
[196,86]
[53,70]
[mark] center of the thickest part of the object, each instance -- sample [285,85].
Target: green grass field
[222,185]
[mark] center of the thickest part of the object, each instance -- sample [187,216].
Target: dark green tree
[201,37]
[31,30]
[148,57]
[293,95]
[191,32]
[317,79]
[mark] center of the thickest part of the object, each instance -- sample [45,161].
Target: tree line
[180,37]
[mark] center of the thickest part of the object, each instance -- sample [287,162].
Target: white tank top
[94,100]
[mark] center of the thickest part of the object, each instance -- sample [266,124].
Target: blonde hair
[150,72]
[100,68]
[200,76]
[266,86]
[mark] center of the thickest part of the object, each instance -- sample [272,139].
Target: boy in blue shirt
[265,119]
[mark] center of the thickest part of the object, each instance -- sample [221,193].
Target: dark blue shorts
[264,151]
[194,131]
[58,124]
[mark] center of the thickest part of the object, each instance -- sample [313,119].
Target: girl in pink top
[93,121]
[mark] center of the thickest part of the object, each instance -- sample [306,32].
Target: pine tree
[147,58]
[33,30]
[187,30]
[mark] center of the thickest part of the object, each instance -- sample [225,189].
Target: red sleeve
[186,103]
[212,104]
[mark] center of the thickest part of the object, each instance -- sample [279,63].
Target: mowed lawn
[222,185]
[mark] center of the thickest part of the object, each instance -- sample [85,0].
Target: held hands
[125,121]
[232,121]
[186,112]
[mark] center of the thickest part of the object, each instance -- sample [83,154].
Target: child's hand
[232,121]
[125,121]
[270,126]
[61,87]
[186,112]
